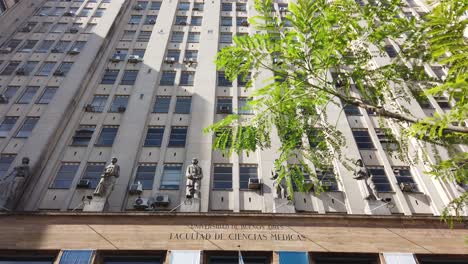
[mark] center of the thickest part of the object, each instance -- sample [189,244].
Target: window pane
[245,173]
[363,139]
[45,46]
[129,77]
[135,19]
[7,124]
[28,95]
[161,105]
[154,137]
[167,78]
[28,67]
[145,175]
[177,137]
[222,80]
[196,21]
[64,68]
[244,109]
[10,92]
[45,69]
[119,104]
[171,177]
[28,46]
[109,76]
[187,78]
[5,163]
[224,105]
[83,135]
[27,127]
[380,180]
[107,136]
[193,37]
[128,35]
[184,6]
[226,21]
[222,177]
[183,105]
[10,68]
[65,175]
[47,95]
[98,103]
[177,36]
[155,6]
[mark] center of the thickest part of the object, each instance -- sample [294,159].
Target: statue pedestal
[283,206]
[190,205]
[377,208]
[97,204]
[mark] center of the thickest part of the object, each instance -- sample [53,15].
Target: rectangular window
[85,12]
[83,135]
[150,20]
[10,92]
[27,127]
[348,258]
[222,177]
[363,139]
[184,6]
[144,36]
[243,80]
[7,124]
[392,53]
[228,258]
[78,45]
[107,136]
[98,103]
[167,78]
[5,162]
[47,95]
[225,37]
[242,22]
[99,12]
[145,175]
[177,36]
[109,76]
[197,7]
[93,173]
[327,180]
[226,21]
[351,110]
[243,107]
[10,68]
[187,78]
[119,104]
[129,77]
[59,28]
[196,21]
[224,105]
[178,137]
[65,175]
[45,46]
[379,178]
[193,37]
[175,54]
[161,105]
[58,11]
[135,19]
[171,176]
[12,44]
[155,6]
[142,4]
[154,137]
[403,176]
[128,35]
[64,68]
[191,54]
[245,173]
[223,81]
[44,11]
[183,105]
[181,20]
[28,95]
[226,7]
[28,68]
[139,52]
[241,7]
[45,69]
[61,46]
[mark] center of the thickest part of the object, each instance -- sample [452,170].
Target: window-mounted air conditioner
[83,184]
[134,59]
[25,29]
[190,61]
[121,109]
[245,23]
[89,108]
[6,50]
[225,109]
[59,73]
[407,187]
[181,23]
[138,7]
[160,200]
[55,50]
[254,184]
[69,14]
[73,30]
[74,51]
[151,22]
[140,203]
[116,58]
[169,60]
[136,188]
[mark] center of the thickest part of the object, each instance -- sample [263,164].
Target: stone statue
[280,186]
[194,175]
[13,183]
[108,179]
[361,173]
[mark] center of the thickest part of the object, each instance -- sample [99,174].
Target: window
[58,11]
[99,12]
[155,6]
[28,95]
[387,141]
[135,19]
[197,7]
[44,11]
[122,53]
[439,72]
[93,173]
[161,105]
[403,175]
[145,175]
[379,178]
[128,35]
[443,102]
[61,46]
[64,68]
[223,81]
[98,103]
[78,45]
[150,20]
[109,76]
[193,37]
[191,54]
[183,105]
[45,69]
[28,46]
[59,28]
[243,80]
[227,7]
[45,46]
[85,12]
[186,78]
[65,175]
[7,124]
[177,36]
[83,135]
[224,105]
[181,20]
[107,136]
[47,95]
[142,4]
[129,77]
[242,21]
[154,137]
[222,177]
[27,127]
[363,139]
[11,91]
[244,109]
[241,7]
[167,78]
[225,37]
[119,104]
[226,21]
[12,44]
[247,257]
[347,258]
[171,176]
[245,173]
[144,36]
[173,54]
[5,163]
[196,21]
[327,180]
[392,53]
[184,6]
[139,52]
[351,110]
[29,67]
[177,137]
[10,68]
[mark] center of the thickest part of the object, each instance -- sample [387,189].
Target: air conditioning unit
[59,73]
[89,108]
[134,59]
[21,71]
[73,30]
[121,109]
[181,23]
[138,7]
[136,188]
[6,50]
[74,51]
[169,60]
[83,184]
[55,50]
[25,29]
[245,23]
[195,8]
[225,109]
[160,200]
[190,61]
[140,203]
[254,184]
[69,14]
[116,58]
[151,22]
[3,99]
[407,187]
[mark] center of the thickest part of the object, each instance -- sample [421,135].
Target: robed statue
[280,187]
[362,174]
[194,175]
[108,179]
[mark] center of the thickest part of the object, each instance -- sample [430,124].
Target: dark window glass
[83,135]
[27,127]
[161,105]
[171,176]
[226,21]
[5,163]
[155,6]
[167,78]
[98,103]
[144,36]
[392,53]
[150,20]
[224,105]
[235,260]
[243,108]
[45,69]
[28,68]
[145,175]
[129,77]
[119,104]
[191,54]
[10,68]
[28,95]
[196,21]
[10,92]
[184,6]
[223,81]
[327,179]
[154,137]
[175,54]
[222,177]
[345,258]
[109,76]
[245,173]
[93,174]
[61,46]
[403,175]
[193,37]
[181,20]
[7,124]
[65,175]
[225,37]
[107,136]
[177,36]
[187,78]
[28,46]
[380,180]
[47,95]
[363,139]
[197,7]
[242,21]
[45,46]
[226,7]
[183,105]
[177,137]
[64,68]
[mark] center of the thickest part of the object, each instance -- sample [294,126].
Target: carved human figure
[361,173]
[194,175]
[108,179]
[14,185]
[280,186]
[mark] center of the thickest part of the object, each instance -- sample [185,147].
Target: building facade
[86,80]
